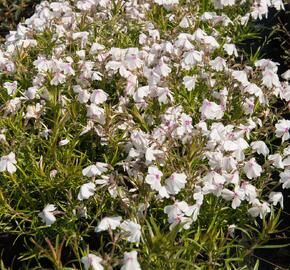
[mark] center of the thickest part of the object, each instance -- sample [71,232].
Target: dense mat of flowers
[115,113]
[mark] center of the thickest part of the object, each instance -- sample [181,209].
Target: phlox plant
[137,135]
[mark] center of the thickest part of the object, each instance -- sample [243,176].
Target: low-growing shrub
[135,135]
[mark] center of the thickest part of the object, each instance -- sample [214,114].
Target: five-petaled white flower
[154,178]
[47,215]
[92,262]
[282,129]
[108,223]
[270,78]
[275,198]
[175,183]
[211,110]
[130,261]
[132,230]
[11,87]
[189,82]
[252,169]
[260,147]
[95,169]
[236,196]
[86,191]
[98,96]
[285,179]
[259,209]
[7,163]
[241,76]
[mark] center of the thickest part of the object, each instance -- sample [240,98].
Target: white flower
[270,78]
[178,209]
[83,96]
[285,179]
[151,152]
[198,196]
[163,192]
[132,230]
[141,93]
[259,10]
[166,2]
[130,261]
[63,142]
[286,151]
[185,221]
[96,113]
[11,87]
[218,64]
[276,160]
[47,214]
[223,3]
[191,58]
[189,82]
[96,47]
[249,105]
[108,223]
[250,191]
[196,209]
[286,162]
[260,147]
[132,60]
[235,196]
[88,127]
[286,75]
[176,214]
[252,169]
[253,89]
[275,198]
[241,76]
[94,170]
[231,49]
[98,96]
[7,163]
[175,183]
[282,129]
[211,42]
[90,171]
[84,5]
[259,209]
[210,110]
[164,94]
[229,164]
[53,173]
[33,111]
[265,64]
[232,178]
[185,23]
[86,191]
[154,177]
[92,262]
[58,78]
[231,230]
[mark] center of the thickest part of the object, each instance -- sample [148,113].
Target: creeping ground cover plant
[136,135]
